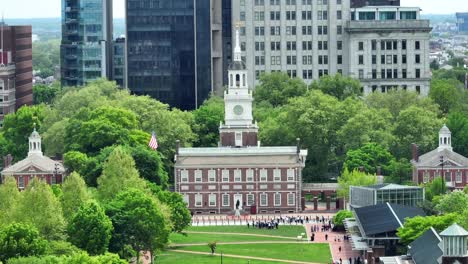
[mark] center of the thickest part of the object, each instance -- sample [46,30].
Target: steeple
[35,143]
[237,48]
[445,139]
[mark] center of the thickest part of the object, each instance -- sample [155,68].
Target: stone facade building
[441,161]
[240,174]
[35,165]
[386,47]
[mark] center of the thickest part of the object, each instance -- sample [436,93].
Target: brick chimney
[415,152]
[7,161]
[177,147]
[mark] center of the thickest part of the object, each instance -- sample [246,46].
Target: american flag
[153,143]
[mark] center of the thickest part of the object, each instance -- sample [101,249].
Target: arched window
[445,140]
[237,80]
[34,145]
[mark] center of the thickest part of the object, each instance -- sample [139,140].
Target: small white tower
[445,139]
[35,147]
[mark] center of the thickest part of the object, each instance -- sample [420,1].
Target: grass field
[169,257]
[302,252]
[287,231]
[205,238]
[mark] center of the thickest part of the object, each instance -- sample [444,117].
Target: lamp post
[56,168]
[442,165]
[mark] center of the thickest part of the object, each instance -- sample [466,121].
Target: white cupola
[35,147]
[445,139]
[454,240]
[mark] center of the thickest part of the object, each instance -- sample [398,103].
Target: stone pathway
[243,257]
[346,250]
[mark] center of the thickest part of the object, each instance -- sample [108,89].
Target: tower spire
[237,48]
[1,48]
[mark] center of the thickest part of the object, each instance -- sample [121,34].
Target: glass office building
[462,22]
[361,196]
[86,41]
[169,50]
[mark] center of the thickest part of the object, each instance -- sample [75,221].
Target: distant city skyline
[52,8]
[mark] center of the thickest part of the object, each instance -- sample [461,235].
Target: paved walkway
[241,243]
[244,257]
[346,250]
[237,234]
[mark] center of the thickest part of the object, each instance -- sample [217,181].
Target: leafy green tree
[338,86]
[20,240]
[277,88]
[399,171]
[149,164]
[353,178]
[397,101]
[453,202]
[38,206]
[446,93]
[9,197]
[54,138]
[75,194]
[370,156]
[119,173]
[90,228]
[206,122]
[456,73]
[62,248]
[434,65]
[458,125]
[46,57]
[212,246]
[416,226]
[368,125]
[45,94]
[88,167]
[416,125]
[17,127]
[180,215]
[435,188]
[458,62]
[138,221]
[340,217]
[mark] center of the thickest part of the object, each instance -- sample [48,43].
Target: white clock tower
[239,130]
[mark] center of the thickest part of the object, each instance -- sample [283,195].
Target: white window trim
[249,178]
[237,175]
[290,175]
[198,175]
[20,182]
[426,177]
[266,199]
[212,176]
[211,195]
[262,179]
[458,177]
[274,199]
[183,176]
[196,200]
[223,174]
[253,199]
[276,177]
[228,200]
[293,195]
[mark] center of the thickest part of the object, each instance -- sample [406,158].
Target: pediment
[31,169]
[449,163]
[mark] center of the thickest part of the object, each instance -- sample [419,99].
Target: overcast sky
[51,8]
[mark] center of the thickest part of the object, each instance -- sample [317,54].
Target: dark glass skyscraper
[169,50]
[86,52]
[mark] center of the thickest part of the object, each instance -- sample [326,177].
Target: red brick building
[35,165]
[15,68]
[240,174]
[441,161]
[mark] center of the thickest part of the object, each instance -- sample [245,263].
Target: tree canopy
[353,178]
[20,240]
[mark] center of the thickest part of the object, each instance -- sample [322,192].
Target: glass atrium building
[361,196]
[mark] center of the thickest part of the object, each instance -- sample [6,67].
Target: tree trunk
[151,256]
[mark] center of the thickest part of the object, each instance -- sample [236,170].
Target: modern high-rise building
[15,68]
[462,22]
[86,48]
[119,67]
[308,39]
[174,50]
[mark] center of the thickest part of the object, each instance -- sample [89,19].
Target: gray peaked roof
[382,218]
[454,230]
[432,159]
[34,163]
[425,249]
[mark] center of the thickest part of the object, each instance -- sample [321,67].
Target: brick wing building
[240,174]
[35,165]
[441,161]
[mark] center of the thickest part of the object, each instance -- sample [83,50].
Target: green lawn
[301,252]
[287,231]
[205,238]
[169,257]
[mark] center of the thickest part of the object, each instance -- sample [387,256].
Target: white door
[238,201]
[238,138]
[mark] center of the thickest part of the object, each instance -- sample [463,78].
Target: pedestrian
[341,261]
[339,248]
[248,225]
[350,260]
[326,236]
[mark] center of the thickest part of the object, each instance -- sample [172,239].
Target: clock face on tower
[238,110]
